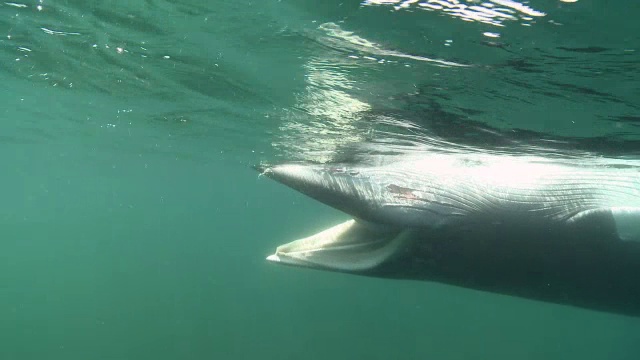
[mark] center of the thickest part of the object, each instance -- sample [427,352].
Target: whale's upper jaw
[340,188]
[373,194]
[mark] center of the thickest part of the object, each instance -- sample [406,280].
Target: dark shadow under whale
[565,231]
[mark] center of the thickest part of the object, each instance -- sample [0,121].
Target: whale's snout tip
[273,258]
[261,168]
[288,174]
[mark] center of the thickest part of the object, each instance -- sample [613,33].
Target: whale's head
[356,245]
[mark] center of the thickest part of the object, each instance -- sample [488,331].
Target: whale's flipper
[351,246]
[627,222]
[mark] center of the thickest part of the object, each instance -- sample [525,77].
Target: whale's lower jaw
[581,264]
[349,247]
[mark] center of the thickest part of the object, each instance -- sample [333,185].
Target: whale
[563,230]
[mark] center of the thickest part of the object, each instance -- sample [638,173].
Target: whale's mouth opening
[352,246]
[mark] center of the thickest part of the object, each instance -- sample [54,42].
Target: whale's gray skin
[565,231]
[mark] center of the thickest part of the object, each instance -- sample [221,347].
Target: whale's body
[563,230]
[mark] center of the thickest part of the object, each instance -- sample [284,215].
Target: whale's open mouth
[351,246]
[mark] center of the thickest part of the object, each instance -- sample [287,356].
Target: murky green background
[134,228]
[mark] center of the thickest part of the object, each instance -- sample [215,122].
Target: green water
[134,227]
